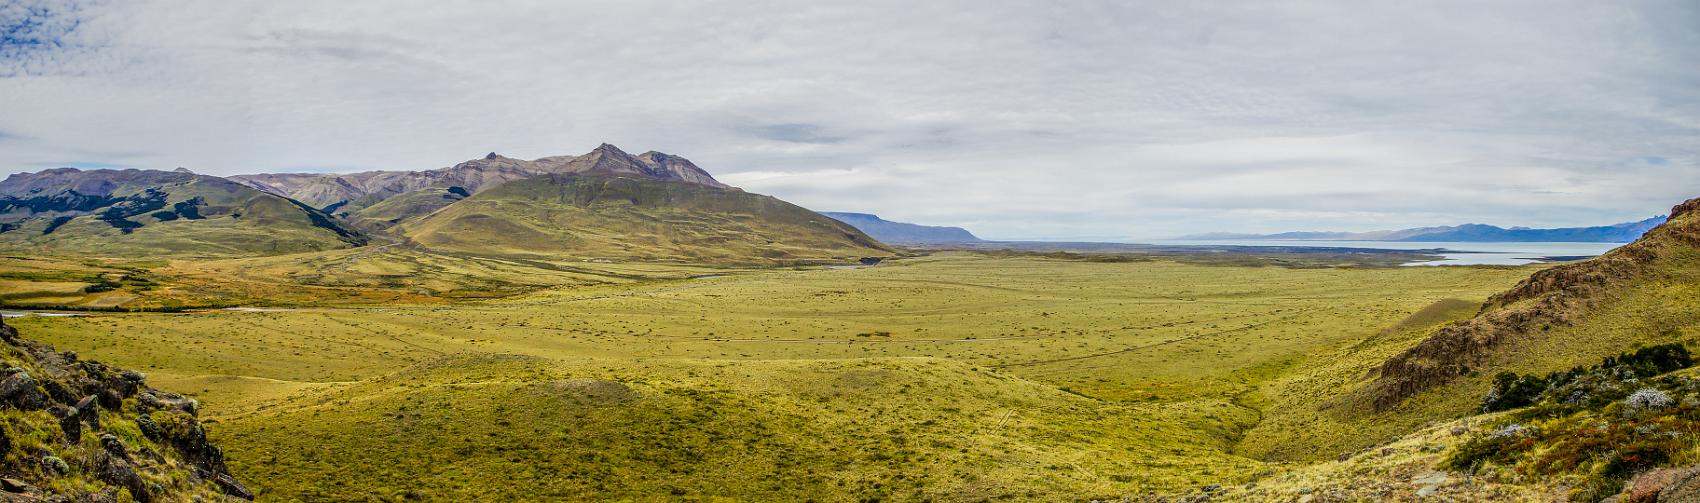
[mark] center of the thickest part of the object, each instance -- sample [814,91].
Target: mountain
[379,199]
[899,232]
[597,213]
[150,213]
[77,430]
[1618,233]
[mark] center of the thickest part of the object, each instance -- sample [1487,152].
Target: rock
[89,411]
[114,446]
[110,400]
[12,485]
[1687,489]
[149,402]
[7,333]
[233,487]
[20,391]
[118,472]
[69,422]
[1429,483]
[59,393]
[149,428]
[1650,487]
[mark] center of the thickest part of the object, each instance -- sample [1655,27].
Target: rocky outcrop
[1550,297]
[71,444]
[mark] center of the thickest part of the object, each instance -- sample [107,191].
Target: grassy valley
[950,377]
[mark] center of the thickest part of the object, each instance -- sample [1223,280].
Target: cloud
[1019,120]
[792,133]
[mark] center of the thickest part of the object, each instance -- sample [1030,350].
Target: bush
[1582,386]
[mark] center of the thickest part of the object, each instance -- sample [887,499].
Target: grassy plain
[953,376]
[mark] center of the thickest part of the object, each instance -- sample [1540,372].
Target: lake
[1455,253]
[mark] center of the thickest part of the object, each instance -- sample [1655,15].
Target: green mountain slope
[141,213]
[638,218]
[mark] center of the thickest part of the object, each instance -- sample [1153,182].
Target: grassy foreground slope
[592,217]
[949,377]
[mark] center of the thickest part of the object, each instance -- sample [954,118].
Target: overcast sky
[1038,119]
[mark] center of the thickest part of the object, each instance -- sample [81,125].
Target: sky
[1112,120]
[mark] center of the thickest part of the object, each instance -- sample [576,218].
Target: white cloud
[1123,119]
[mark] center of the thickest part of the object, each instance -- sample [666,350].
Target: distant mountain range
[132,212]
[903,233]
[1619,233]
[603,204]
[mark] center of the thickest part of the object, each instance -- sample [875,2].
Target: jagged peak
[609,148]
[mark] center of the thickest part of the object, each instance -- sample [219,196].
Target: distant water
[1456,253]
[20,314]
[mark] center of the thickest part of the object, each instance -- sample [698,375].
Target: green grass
[948,377]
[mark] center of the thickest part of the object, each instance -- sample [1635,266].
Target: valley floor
[953,376]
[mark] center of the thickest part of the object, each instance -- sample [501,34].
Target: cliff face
[78,430]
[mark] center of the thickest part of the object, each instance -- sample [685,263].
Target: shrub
[1647,398]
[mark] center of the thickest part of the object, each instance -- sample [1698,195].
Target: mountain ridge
[1615,233]
[343,194]
[149,212]
[903,232]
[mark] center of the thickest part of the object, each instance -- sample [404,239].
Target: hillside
[1616,233]
[366,198]
[78,429]
[1445,363]
[593,217]
[1637,293]
[900,232]
[135,213]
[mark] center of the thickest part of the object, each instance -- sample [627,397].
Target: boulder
[89,411]
[70,423]
[20,391]
[1686,488]
[233,487]
[118,472]
[1650,487]
[58,392]
[114,446]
